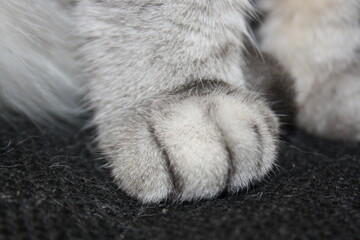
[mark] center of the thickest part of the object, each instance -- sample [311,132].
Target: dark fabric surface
[51,190]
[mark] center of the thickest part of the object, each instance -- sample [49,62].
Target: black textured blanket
[53,190]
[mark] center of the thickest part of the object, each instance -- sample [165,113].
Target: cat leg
[318,42]
[174,117]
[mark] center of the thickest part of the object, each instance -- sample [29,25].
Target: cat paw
[333,109]
[195,148]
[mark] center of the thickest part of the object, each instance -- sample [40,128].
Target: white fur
[161,137]
[318,42]
[192,148]
[38,71]
[158,143]
[134,54]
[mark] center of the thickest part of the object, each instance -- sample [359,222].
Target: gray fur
[173,94]
[158,91]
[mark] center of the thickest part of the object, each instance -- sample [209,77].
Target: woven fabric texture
[53,188]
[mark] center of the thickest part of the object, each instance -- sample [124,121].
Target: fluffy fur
[318,42]
[169,83]
[161,141]
[37,69]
